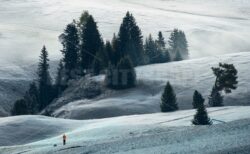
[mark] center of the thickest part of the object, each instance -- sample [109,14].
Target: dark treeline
[86,53]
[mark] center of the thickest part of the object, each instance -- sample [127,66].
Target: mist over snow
[212,27]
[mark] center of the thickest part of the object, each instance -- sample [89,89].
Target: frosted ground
[150,133]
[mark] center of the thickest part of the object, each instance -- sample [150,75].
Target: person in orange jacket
[64,139]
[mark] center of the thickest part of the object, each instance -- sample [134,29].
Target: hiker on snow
[64,139]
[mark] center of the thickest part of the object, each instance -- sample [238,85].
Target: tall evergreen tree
[183,45]
[122,76]
[216,99]
[19,108]
[166,56]
[130,40]
[109,52]
[83,19]
[163,53]
[32,99]
[117,56]
[168,99]
[197,99]
[91,43]
[98,64]
[178,45]
[61,81]
[44,80]
[178,56]
[226,80]
[173,39]
[70,42]
[161,41]
[150,50]
[201,117]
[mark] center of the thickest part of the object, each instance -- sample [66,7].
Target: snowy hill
[150,133]
[14,81]
[186,77]
[212,27]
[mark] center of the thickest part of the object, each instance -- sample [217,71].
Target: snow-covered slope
[150,133]
[185,76]
[14,81]
[212,27]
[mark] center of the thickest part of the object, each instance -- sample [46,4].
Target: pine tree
[168,99]
[151,50]
[91,43]
[32,99]
[226,80]
[83,19]
[183,45]
[19,108]
[178,56]
[44,80]
[130,40]
[162,52]
[97,64]
[161,41]
[173,40]
[61,82]
[201,117]
[197,99]
[166,56]
[178,45]
[70,42]
[216,99]
[110,53]
[122,76]
[111,77]
[117,55]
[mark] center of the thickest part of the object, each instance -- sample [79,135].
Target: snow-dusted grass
[149,133]
[186,77]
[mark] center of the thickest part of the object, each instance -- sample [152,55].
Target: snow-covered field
[186,77]
[149,133]
[212,27]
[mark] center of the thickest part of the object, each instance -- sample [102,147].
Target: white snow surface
[185,77]
[148,133]
[212,27]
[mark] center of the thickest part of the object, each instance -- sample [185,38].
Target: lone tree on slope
[197,99]
[44,80]
[168,99]
[201,117]
[226,80]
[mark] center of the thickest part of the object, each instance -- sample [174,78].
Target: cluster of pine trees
[85,52]
[40,92]
[226,80]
